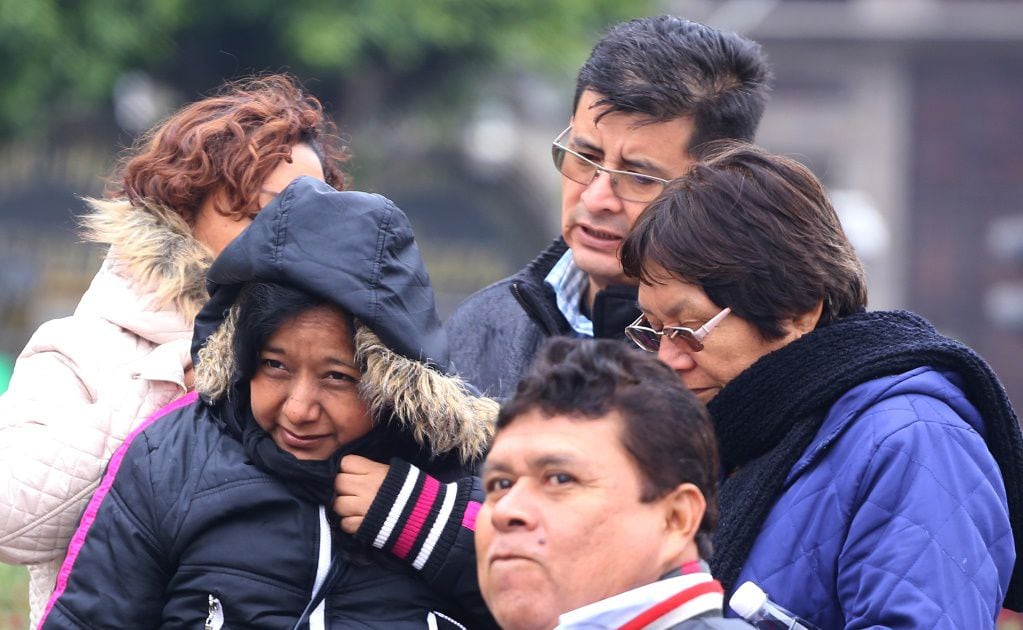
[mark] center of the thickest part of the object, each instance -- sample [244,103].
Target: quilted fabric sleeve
[55,439]
[929,543]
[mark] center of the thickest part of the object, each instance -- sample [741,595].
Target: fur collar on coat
[436,409]
[357,251]
[153,248]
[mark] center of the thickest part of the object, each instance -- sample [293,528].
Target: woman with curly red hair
[177,198]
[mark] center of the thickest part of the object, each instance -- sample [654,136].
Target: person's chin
[705,394]
[523,611]
[599,264]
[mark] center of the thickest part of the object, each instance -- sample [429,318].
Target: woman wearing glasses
[873,468]
[188,187]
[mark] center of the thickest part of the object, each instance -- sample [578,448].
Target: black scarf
[768,415]
[312,480]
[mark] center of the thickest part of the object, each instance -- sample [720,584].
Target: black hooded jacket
[197,523]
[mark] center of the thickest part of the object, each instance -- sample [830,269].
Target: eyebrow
[646,167]
[627,164]
[553,459]
[541,461]
[495,467]
[672,311]
[585,145]
[332,360]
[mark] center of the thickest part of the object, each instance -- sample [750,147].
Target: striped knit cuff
[415,517]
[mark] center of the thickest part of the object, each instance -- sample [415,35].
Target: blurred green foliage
[61,57]
[6,367]
[13,597]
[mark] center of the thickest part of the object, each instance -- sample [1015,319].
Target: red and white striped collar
[658,605]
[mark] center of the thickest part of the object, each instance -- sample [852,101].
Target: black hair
[757,233]
[666,430]
[262,308]
[666,67]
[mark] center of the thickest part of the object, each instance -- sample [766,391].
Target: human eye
[495,485]
[340,376]
[651,324]
[640,180]
[340,381]
[560,479]
[271,364]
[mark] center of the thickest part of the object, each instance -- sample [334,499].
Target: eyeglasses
[650,340]
[627,185]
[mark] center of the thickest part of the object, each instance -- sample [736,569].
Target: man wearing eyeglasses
[651,91]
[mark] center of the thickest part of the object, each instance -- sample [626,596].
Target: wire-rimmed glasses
[629,186]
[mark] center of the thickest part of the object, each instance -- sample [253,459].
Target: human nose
[675,354]
[514,509]
[302,404]
[600,194]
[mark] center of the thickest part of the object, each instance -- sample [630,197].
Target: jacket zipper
[318,619]
[215,616]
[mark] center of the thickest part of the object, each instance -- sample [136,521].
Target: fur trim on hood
[438,410]
[153,246]
[356,251]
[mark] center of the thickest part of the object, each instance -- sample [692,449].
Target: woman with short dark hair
[873,467]
[320,341]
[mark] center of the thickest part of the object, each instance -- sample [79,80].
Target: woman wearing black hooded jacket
[320,340]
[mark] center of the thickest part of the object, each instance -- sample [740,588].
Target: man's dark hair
[665,429]
[666,67]
[758,234]
[263,308]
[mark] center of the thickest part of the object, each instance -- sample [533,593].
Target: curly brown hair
[229,141]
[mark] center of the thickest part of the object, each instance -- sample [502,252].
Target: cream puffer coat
[85,381]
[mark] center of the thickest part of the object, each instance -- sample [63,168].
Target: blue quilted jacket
[875,528]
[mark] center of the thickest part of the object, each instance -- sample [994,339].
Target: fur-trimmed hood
[154,247]
[357,251]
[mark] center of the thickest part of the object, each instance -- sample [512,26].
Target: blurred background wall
[911,111]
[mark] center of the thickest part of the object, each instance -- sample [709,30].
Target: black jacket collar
[614,308]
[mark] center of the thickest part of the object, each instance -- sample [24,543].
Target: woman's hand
[357,485]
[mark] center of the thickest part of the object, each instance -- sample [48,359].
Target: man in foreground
[600,497]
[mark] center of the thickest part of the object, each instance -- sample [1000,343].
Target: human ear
[684,509]
[805,322]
